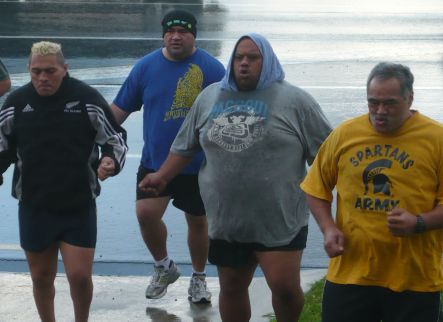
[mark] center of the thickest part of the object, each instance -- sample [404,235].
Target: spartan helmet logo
[373,174]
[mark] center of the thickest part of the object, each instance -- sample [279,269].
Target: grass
[312,308]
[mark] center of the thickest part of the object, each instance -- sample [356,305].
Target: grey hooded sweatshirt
[256,144]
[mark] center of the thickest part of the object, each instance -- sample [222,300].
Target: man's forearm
[321,210]
[173,165]
[334,240]
[119,115]
[433,219]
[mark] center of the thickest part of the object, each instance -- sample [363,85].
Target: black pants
[355,303]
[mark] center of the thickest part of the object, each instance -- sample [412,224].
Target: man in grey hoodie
[257,132]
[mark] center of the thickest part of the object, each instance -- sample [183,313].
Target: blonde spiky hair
[45,48]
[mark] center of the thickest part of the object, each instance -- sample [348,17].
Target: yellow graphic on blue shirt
[188,88]
[378,193]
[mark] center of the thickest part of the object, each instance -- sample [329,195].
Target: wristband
[420,226]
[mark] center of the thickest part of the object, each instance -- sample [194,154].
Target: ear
[410,99]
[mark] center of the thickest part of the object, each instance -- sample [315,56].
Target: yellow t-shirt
[374,173]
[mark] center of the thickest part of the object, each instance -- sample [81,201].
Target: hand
[106,168]
[153,184]
[401,223]
[334,242]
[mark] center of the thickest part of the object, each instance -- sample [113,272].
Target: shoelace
[199,283]
[158,277]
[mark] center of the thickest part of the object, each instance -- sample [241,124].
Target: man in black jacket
[52,128]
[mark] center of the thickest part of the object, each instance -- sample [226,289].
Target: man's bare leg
[43,268]
[78,266]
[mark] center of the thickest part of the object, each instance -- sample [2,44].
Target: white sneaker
[198,291]
[160,280]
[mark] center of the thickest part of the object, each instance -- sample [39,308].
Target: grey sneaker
[198,291]
[160,280]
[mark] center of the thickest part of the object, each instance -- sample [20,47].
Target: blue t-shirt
[166,89]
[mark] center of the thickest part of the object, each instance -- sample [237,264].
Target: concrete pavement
[121,298]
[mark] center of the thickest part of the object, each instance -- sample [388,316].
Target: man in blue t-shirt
[166,83]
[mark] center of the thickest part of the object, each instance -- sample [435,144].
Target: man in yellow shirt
[386,241]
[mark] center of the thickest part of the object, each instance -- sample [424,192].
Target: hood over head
[271,69]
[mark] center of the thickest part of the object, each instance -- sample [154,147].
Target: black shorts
[350,303]
[40,228]
[234,254]
[183,190]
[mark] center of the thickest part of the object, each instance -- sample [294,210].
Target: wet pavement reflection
[122,299]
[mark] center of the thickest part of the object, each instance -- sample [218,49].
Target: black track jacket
[54,141]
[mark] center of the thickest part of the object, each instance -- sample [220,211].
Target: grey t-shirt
[256,146]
